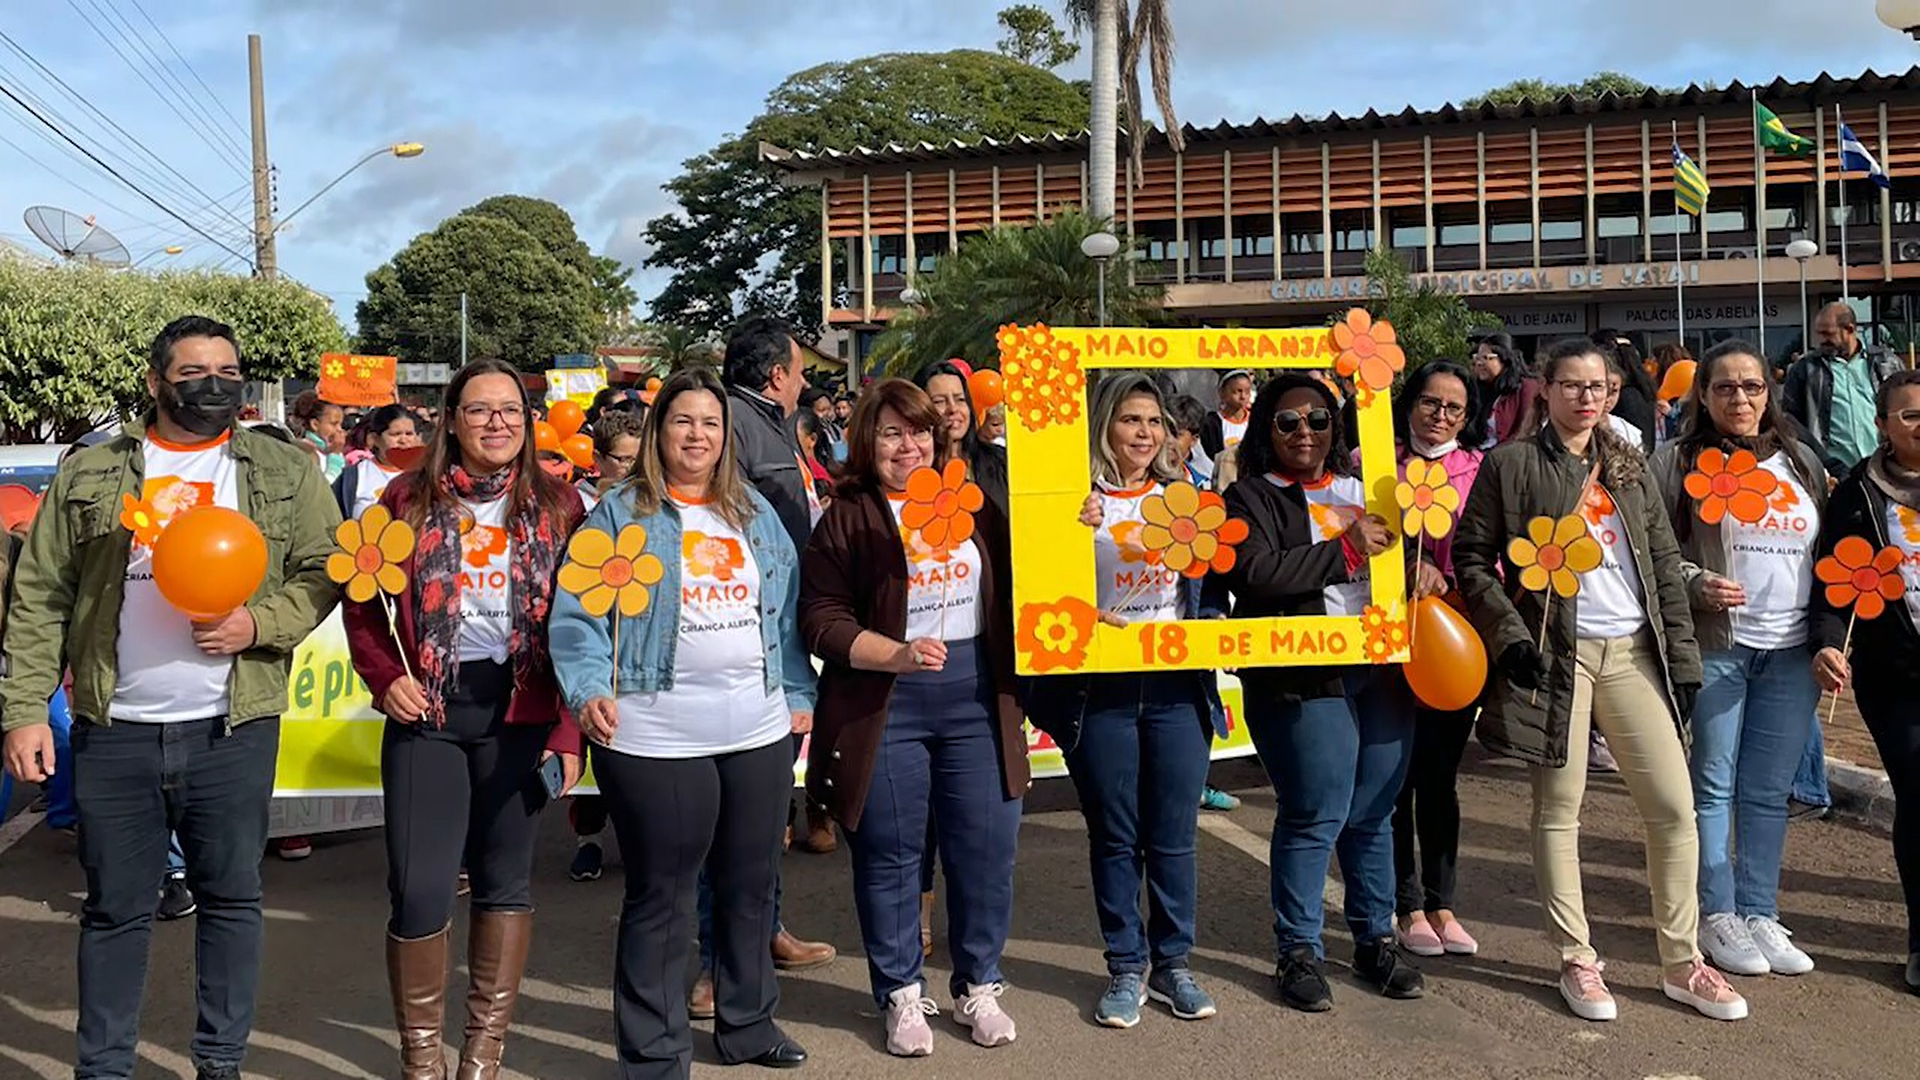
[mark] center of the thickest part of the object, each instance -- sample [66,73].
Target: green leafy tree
[524,304]
[675,347]
[743,241]
[1012,275]
[1429,325]
[1593,86]
[73,339]
[553,227]
[1032,37]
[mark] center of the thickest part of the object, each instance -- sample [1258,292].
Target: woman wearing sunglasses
[1619,655]
[1334,741]
[1437,420]
[1137,744]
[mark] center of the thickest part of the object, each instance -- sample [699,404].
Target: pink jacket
[1463,466]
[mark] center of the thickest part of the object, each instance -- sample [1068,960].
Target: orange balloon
[1449,665]
[653,385]
[18,504]
[579,450]
[566,417]
[209,561]
[545,437]
[1679,380]
[986,389]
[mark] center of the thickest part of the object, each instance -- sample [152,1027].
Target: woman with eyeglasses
[1437,420]
[1749,574]
[472,711]
[1880,502]
[1335,741]
[1137,744]
[1620,655]
[1507,392]
[388,429]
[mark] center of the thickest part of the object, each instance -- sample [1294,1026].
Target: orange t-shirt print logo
[1331,521]
[480,543]
[165,498]
[715,557]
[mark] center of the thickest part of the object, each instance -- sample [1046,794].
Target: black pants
[672,817]
[1887,706]
[134,784]
[466,789]
[588,815]
[1429,808]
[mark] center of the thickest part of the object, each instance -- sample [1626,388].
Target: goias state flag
[1690,188]
[1775,136]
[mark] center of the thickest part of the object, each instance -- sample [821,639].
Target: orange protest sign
[357,381]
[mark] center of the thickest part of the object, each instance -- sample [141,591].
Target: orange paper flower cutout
[371,550]
[1554,553]
[1369,353]
[1735,484]
[1189,532]
[1041,376]
[139,519]
[941,504]
[1385,635]
[1055,636]
[602,570]
[1858,577]
[1428,498]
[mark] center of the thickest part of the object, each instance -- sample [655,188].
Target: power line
[103,200]
[115,173]
[159,66]
[211,96]
[141,75]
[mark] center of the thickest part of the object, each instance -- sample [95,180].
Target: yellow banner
[330,735]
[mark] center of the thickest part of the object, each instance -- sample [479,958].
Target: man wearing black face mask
[175,721]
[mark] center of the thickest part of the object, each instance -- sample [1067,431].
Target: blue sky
[594,103]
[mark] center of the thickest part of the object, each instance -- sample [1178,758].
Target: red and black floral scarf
[532,555]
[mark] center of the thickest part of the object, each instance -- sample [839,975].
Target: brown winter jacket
[1525,479]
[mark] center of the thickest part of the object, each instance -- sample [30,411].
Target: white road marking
[20,825]
[1250,843]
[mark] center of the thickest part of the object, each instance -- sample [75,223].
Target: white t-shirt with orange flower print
[943,587]
[1773,560]
[719,703]
[486,588]
[1903,527]
[1131,581]
[1334,503]
[162,677]
[1611,603]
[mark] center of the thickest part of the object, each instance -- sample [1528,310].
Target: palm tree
[1119,41]
[678,347]
[1014,274]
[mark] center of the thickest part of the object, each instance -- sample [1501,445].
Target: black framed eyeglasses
[1445,410]
[1288,421]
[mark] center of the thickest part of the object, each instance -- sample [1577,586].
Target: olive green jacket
[1525,479]
[71,575]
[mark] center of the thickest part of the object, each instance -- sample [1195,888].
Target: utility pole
[463,329]
[264,262]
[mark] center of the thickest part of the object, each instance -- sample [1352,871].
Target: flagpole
[1846,292]
[1679,255]
[1760,222]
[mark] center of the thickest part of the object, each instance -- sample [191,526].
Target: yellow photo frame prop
[1057,629]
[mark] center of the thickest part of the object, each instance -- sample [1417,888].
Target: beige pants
[1617,689]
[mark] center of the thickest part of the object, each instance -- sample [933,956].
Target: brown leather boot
[792,954]
[700,998]
[820,839]
[496,957]
[417,975]
[926,925]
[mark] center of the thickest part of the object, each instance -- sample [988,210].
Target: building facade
[1558,217]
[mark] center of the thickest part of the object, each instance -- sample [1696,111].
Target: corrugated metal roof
[1781,95]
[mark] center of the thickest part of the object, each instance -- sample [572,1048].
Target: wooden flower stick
[1546,617]
[393,628]
[1846,650]
[616,648]
[1419,553]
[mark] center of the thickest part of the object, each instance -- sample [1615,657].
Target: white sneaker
[980,1011]
[1725,940]
[1585,992]
[1782,955]
[907,1032]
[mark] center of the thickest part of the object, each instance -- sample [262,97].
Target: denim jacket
[581,645]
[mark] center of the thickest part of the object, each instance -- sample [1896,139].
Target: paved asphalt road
[324,1010]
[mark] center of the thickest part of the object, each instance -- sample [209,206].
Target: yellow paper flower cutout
[371,550]
[1429,499]
[1189,531]
[1554,553]
[1385,635]
[601,570]
[1042,376]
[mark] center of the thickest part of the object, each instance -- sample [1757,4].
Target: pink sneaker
[980,1011]
[1417,937]
[1704,990]
[1585,992]
[1456,939]
[907,1032]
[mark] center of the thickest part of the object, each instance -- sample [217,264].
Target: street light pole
[1901,15]
[1800,251]
[399,150]
[1100,247]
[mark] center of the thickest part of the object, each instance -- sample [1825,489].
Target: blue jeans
[1337,765]
[176,859]
[1810,779]
[59,787]
[1749,728]
[939,751]
[1138,766]
[136,783]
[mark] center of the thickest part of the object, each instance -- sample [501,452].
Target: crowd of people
[742,574]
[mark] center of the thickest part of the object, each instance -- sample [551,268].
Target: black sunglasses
[1288,421]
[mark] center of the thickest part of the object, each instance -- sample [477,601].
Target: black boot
[1383,964]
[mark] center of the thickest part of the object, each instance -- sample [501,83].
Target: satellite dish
[76,238]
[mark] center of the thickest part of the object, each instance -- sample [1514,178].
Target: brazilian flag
[1775,136]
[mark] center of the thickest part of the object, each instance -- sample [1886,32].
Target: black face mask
[204,406]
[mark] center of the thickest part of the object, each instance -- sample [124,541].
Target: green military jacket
[71,574]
